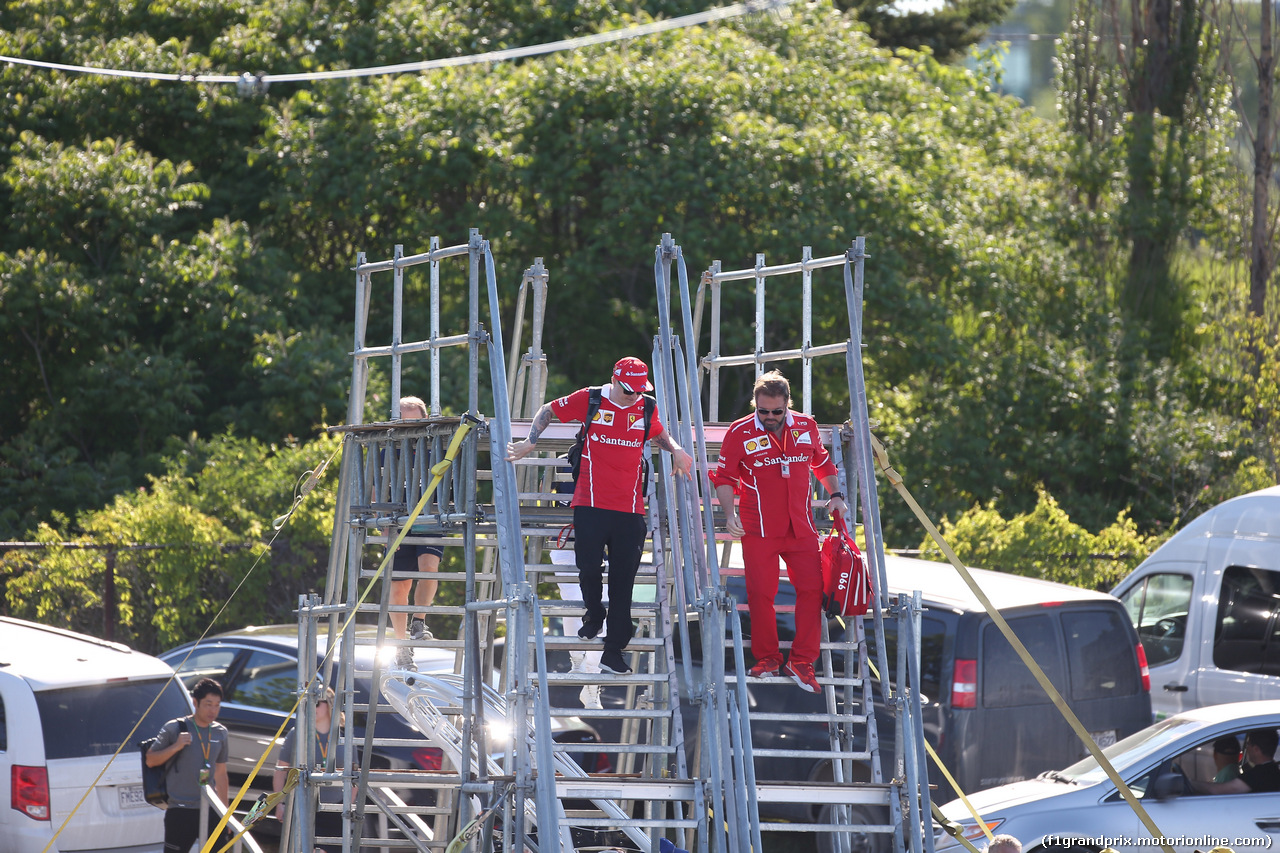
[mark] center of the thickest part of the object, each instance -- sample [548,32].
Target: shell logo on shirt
[603,418]
[759,444]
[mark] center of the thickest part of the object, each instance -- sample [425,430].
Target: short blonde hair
[412,401]
[335,713]
[1004,844]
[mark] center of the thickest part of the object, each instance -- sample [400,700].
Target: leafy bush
[1045,543]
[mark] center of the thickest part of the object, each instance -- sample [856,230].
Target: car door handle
[1176,688]
[1268,824]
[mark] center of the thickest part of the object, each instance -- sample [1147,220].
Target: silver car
[1080,809]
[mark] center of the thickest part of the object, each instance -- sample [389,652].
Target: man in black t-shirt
[1262,774]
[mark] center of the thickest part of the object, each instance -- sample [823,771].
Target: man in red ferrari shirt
[608,502]
[765,459]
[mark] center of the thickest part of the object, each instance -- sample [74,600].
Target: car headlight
[969,830]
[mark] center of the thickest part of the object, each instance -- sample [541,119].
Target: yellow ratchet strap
[438,471]
[895,479]
[952,782]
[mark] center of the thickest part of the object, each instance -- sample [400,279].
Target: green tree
[180,258]
[196,549]
[947,31]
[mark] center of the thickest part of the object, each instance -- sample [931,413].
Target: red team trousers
[760,555]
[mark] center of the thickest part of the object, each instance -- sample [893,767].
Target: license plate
[131,796]
[1104,739]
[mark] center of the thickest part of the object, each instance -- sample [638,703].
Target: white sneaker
[590,697]
[577,659]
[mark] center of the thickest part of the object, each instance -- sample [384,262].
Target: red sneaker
[765,668]
[802,674]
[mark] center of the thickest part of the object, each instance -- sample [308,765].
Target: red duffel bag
[846,583]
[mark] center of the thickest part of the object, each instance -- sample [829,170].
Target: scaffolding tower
[670,758]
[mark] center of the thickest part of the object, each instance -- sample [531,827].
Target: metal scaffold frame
[851,450]
[425,482]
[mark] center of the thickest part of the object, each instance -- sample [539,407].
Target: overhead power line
[261,80]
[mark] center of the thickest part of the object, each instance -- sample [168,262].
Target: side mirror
[1168,785]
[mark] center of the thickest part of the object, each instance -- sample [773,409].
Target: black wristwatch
[839,495]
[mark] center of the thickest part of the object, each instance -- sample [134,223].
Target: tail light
[1143,668]
[428,758]
[964,685]
[30,791]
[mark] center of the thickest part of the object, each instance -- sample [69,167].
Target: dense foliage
[177,267]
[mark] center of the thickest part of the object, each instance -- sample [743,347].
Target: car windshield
[1132,750]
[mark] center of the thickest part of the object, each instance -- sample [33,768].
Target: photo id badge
[205,774]
[786,468]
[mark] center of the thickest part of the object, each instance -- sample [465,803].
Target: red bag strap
[837,521]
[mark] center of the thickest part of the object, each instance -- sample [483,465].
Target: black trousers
[623,533]
[182,828]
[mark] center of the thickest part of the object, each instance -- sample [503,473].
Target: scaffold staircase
[670,761]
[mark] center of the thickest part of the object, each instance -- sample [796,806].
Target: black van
[984,713]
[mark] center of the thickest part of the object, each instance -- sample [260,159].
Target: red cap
[632,371]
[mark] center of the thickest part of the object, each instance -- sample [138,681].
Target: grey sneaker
[404,659]
[577,659]
[418,630]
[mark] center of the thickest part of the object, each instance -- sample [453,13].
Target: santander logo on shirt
[778,460]
[620,442]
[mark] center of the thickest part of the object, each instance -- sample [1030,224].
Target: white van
[67,702]
[1207,607]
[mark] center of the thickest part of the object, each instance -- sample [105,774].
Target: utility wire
[261,80]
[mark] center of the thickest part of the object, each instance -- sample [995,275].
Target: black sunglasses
[628,389]
[774,412]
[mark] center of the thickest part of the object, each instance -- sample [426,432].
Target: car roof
[941,584]
[284,638]
[49,658]
[1233,711]
[1255,515]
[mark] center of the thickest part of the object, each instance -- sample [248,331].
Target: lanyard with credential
[205,745]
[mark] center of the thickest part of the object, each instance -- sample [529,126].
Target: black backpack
[154,786]
[593,405]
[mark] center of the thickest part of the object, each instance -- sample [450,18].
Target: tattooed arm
[683,461]
[521,449]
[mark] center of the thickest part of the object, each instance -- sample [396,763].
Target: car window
[1095,643]
[267,680]
[96,719]
[1246,628]
[933,632]
[202,663]
[4,729]
[1158,608]
[1006,680]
